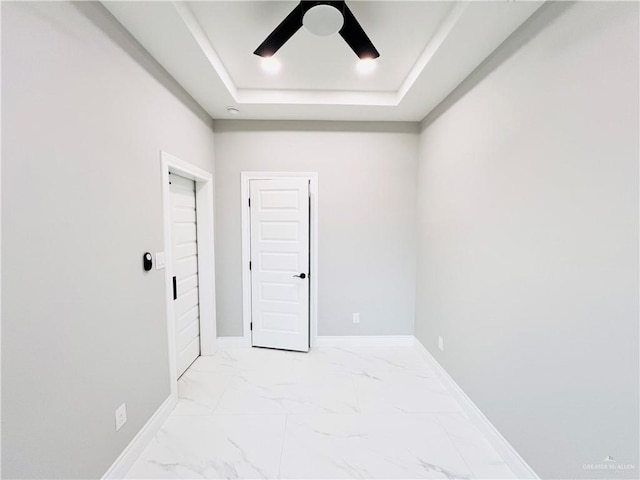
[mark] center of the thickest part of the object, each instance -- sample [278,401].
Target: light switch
[160,260]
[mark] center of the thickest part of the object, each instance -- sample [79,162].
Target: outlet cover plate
[121,416]
[440,343]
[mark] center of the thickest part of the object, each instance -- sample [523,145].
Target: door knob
[302,275]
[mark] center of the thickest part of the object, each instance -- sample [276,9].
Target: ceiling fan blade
[283,32]
[355,37]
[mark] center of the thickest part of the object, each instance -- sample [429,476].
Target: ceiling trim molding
[317,97]
[196,31]
[443,31]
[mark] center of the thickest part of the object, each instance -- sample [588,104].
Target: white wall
[367,198]
[85,113]
[528,238]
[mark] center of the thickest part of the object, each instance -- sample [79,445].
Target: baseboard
[130,454]
[331,341]
[233,342]
[365,341]
[511,457]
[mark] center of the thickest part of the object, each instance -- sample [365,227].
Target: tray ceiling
[427,49]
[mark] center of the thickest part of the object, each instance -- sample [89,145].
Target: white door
[280,263]
[184,251]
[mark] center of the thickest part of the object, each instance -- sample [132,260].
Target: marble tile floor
[333,413]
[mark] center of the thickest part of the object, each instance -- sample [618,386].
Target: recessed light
[270,65]
[365,66]
[233,110]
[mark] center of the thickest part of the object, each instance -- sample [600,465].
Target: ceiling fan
[323,17]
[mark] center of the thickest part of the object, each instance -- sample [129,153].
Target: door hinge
[251,326]
[249,203]
[249,265]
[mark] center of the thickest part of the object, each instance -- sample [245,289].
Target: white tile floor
[367,412]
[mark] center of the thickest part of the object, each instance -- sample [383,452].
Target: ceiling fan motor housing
[323,19]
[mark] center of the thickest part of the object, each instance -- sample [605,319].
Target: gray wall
[528,238]
[85,113]
[367,199]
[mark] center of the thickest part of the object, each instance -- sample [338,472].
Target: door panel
[279,231]
[184,251]
[279,251]
[185,267]
[280,322]
[189,332]
[280,262]
[279,292]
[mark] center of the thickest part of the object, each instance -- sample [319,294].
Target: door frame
[206,262]
[245,178]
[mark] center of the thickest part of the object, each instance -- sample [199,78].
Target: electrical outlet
[121,416]
[356,318]
[440,343]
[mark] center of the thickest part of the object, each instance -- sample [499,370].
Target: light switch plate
[161,260]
